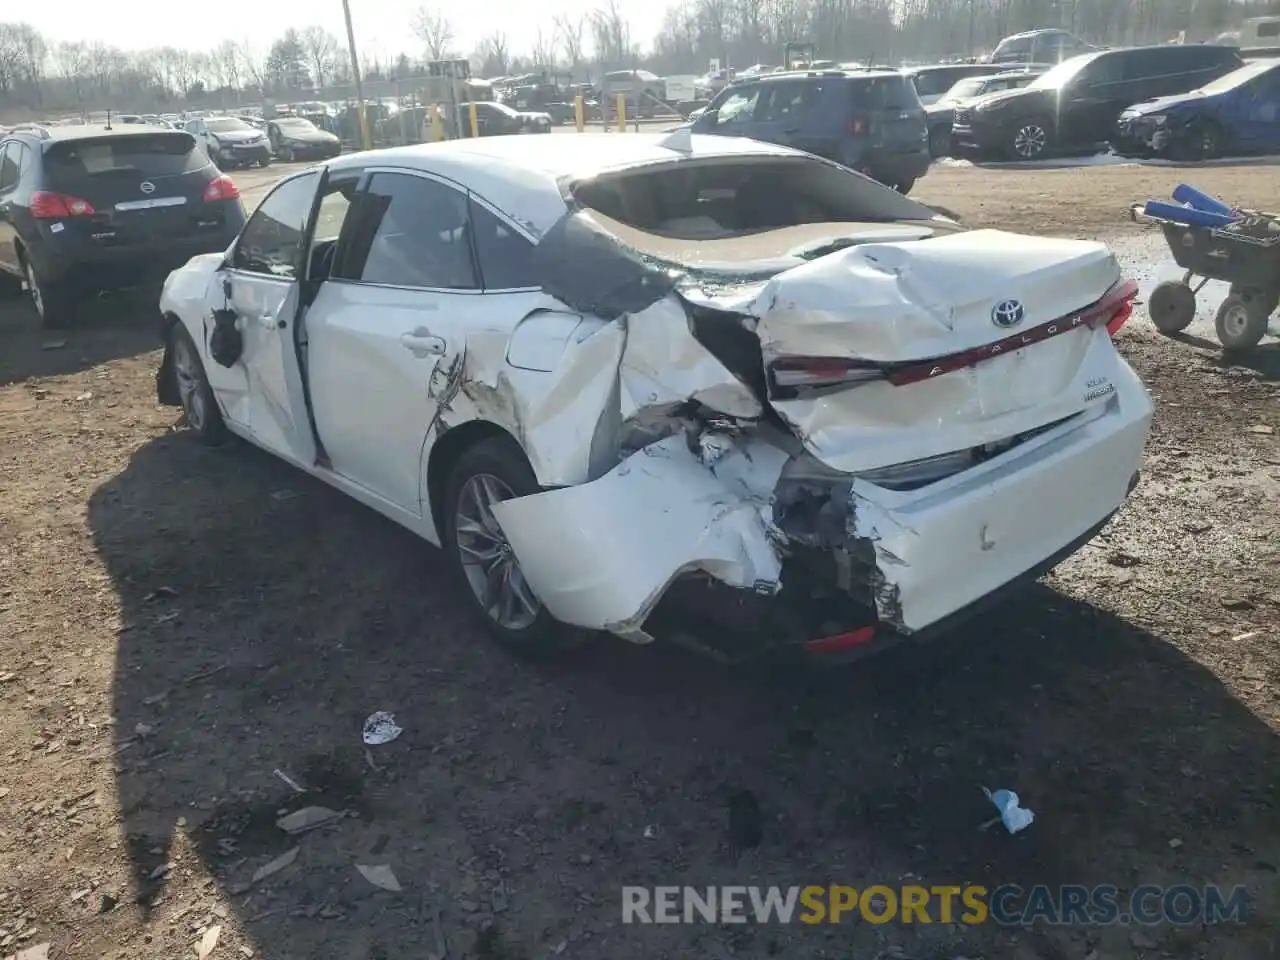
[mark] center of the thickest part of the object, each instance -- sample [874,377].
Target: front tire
[1172,306]
[905,186]
[194,393]
[492,471]
[1030,139]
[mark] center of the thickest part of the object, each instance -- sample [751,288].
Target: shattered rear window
[727,197]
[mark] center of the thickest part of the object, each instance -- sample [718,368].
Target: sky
[381,26]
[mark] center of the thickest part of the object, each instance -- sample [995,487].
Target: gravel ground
[178,624]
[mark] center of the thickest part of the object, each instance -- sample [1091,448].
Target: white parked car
[629,382]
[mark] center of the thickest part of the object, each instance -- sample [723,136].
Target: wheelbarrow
[1241,250]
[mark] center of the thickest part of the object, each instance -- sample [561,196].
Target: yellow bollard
[475,124]
[579,113]
[437,123]
[622,113]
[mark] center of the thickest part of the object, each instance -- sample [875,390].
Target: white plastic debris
[208,942]
[380,875]
[381,728]
[1013,817]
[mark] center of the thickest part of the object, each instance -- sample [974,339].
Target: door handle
[791,130]
[270,322]
[421,343]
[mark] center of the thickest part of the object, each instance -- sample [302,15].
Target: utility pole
[355,73]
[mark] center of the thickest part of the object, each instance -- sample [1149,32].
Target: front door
[386,335]
[261,284]
[1257,112]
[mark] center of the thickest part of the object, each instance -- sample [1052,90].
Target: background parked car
[871,121]
[932,82]
[293,138]
[941,112]
[91,208]
[1040,46]
[1075,105]
[640,87]
[497,119]
[1239,113]
[230,141]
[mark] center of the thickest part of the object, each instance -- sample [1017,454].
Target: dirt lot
[177,623]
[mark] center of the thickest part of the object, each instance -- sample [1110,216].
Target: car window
[1111,70]
[885,93]
[420,238]
[505,257]
[8,165]
[272,241]
[786,101]
[739,105]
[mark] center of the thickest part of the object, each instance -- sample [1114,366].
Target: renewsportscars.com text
[1007,905]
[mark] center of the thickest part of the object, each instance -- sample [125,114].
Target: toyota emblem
[1007,313]
[147,186]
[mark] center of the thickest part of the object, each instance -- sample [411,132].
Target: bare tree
[495,50]
[227,55]
[611,33]
[253,64]
[321,48]
[544,48]
[570,31]
[434,29]
[102,64]
[73,63]
[33,52]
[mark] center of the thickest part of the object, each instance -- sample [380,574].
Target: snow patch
[1101,160]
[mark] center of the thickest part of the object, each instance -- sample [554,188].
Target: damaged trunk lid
[888,353]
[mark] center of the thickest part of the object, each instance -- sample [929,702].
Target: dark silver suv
[870,120]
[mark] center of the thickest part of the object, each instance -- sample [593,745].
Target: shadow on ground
[107,328]
[266,616]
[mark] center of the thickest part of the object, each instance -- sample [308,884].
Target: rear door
[890,110]
[143,187]
[1092,101]
[780,112]
[262,286]
[10,165]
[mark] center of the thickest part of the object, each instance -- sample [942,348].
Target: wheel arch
[446,451]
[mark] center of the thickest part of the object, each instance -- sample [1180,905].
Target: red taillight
[842,641]
[858,125]
[58,206]
[1115,307]
[822,372]
[221,188]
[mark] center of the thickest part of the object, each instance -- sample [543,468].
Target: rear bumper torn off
[600,555]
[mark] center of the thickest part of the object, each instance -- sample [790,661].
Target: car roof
[820,72]
[522,176]
[100,130]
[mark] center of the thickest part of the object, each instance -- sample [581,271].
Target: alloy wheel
[186,368]
[37,298]
[1029,142]
[490,565]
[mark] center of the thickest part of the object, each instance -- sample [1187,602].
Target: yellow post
[475,124]
[579,113]
[622,113]
[437,123]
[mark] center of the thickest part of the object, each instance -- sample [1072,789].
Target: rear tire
[940,142]
[1172,306]
[491,471]
[53,303]
[1242,321]
[194,393]
[905,186]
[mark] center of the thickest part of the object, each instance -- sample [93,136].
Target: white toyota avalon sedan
[672,385]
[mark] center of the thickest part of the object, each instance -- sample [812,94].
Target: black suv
[90,208]
[870,120]
[1077,103]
